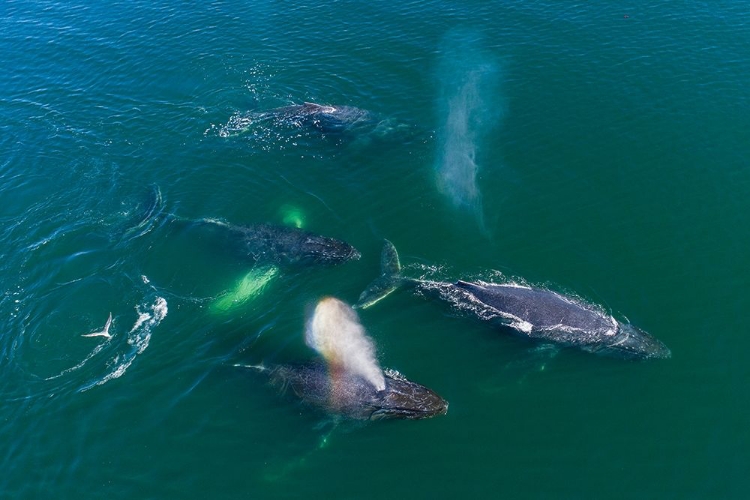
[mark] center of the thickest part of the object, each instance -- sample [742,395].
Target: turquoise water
[597,149]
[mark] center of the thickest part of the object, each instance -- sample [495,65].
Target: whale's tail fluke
[389,281]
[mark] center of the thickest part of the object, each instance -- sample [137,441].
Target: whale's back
[541,313]
[354,397]
[267,243]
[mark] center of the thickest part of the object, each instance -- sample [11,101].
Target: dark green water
[611,145]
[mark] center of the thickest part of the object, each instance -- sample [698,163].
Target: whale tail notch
[389,281]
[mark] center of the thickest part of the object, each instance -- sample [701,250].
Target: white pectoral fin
[104,332]
[259,367]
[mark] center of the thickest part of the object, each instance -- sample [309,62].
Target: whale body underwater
[263,243]
[352,396]
[530,312]
[269,244]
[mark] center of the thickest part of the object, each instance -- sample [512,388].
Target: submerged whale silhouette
[271,249]
[264,244]
[530,312]
[268,244]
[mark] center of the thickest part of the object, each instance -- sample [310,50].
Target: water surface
[610,162]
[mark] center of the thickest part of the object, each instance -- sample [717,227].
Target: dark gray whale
[342,124]
[534,313]
[280,245]
[327,119]
[352,396]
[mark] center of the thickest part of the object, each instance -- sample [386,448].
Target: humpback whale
[351,383]
[270,249]
[268,244]
[530,312]
[354,397]
[342,123]
[264,244]
[327,119]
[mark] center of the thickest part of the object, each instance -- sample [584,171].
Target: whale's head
[404,399]
[633,343]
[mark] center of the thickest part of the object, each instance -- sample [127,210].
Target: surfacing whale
[327,119]
[351,383]
[352,396]
[341,123]
[534,313]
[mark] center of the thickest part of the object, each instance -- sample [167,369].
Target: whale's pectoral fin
[103,332]
[532,361]
[259,367]
[522,366]
[250,286]
[279,467]
[388,281]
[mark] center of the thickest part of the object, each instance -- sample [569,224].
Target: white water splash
[138,339]
[335,332]
[80,365]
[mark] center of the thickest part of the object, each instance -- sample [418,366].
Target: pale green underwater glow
[292,216]
[249,287]
[599,150]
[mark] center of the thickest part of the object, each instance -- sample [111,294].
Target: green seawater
[600,149]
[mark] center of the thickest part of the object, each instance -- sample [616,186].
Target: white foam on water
[139,336]
[335,332]
[80,365]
